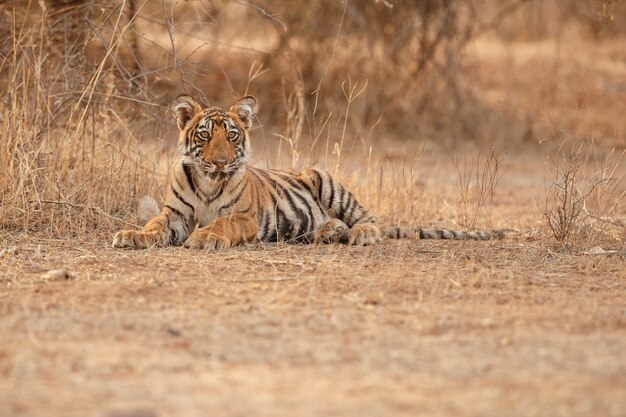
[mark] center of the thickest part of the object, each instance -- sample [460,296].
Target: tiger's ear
[245,109]
[184,108]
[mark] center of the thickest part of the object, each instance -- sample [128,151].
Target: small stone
[58,275]
[597,250]
[174,332]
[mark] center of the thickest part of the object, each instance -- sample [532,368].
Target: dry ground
[509,327]
[403,328]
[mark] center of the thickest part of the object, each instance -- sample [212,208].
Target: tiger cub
[216,200]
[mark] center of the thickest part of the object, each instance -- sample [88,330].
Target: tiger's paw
[207,240]
[135,239]
[363,234]
[333,231]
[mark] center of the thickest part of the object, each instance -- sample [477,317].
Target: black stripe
[331,198]
[301,198]
[309,224]
[192,184]
[272,237]
[257,194]
[287,176]
[342,201]
[351,206]
[267,175]
[247,209]
[265,220]
[189,175]
[280,219]
[234,200]
[286,196]
[291,180]
[264,223]
[305,186]
[268,217]
[319,186]
[288,193]
[216,195]
[306,202]
[178,213]
[283,227]
[182,200]
[178,183]
[175,239]
[302,215]
[260,176]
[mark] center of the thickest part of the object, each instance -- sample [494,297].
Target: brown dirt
[403,328]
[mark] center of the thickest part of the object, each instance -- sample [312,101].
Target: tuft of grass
[477,180]
[71,145]
[582,201]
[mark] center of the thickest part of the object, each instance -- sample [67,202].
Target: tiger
[217,199]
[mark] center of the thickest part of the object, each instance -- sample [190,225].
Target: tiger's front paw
[363,234]
[207,240]
[135,239]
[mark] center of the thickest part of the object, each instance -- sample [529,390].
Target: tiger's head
[215,140]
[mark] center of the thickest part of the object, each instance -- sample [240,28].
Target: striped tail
[393,232]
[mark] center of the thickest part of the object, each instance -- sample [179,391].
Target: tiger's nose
[220,163]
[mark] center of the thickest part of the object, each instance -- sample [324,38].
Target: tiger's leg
[224,232]
[363,234]
[169,227]
[342,205]
[333,231]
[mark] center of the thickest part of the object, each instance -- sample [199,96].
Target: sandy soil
[402,328]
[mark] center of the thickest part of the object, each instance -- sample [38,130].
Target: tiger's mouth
[217,173]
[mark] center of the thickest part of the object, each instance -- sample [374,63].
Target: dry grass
[526,326]
[578,201]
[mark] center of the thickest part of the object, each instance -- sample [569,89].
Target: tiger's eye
[232,135]
[204,134]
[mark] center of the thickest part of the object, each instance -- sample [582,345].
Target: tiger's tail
[396,232]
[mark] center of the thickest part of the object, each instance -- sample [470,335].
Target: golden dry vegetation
[464,115]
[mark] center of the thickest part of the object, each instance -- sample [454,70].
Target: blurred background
[85,121]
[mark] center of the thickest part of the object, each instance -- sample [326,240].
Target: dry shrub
[585,197]
[477,180]
[73,163]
